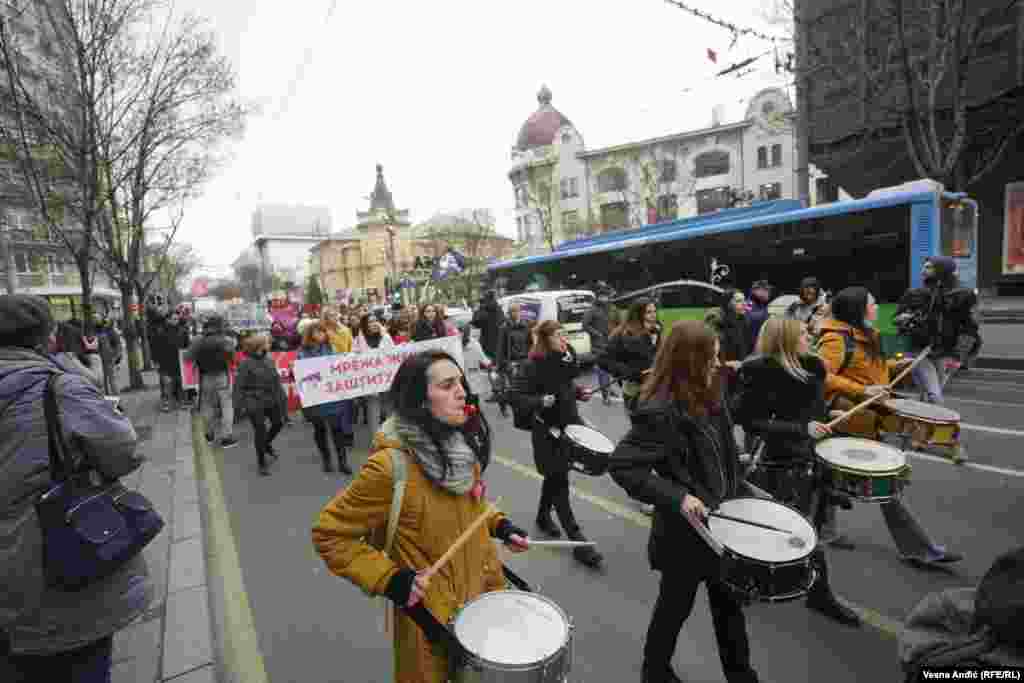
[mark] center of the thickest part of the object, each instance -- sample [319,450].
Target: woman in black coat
[631,349]
[545,388]
[680,456]
[781,398]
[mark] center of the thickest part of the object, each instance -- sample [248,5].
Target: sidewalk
[173,640]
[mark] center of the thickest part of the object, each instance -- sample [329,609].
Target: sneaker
[210,440]
[165,407]
[272,453]
[264,471]
[588,557]
[228,442]
[647,509]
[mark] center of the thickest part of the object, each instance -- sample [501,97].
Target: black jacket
[489,318]
[668,454]
[258,382]
[513,343]
[627,356]
[423,331]
[596,324]
[167,341]
[553,374]
[950,325]
[775,405]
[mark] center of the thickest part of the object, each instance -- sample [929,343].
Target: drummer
[851,350]
[680,455]
[447,453]
[545,387]
[781,397]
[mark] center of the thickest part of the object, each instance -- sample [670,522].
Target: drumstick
[461,540]
[860,406]
[561,544]
[751,523]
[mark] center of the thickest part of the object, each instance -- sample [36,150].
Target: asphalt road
[313,626]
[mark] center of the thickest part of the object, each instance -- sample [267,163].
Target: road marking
[879,621]
[243,661]
[972,465]
[979,402]
[991,430]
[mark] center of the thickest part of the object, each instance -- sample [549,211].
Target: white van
[567,306]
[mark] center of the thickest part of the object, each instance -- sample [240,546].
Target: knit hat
[945,269]
[24,320]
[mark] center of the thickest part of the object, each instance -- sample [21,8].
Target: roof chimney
[717,115]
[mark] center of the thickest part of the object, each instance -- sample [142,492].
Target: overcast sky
[437,92]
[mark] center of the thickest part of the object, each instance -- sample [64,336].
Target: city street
[313,626]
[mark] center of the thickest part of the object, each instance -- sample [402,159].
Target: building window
[826,191]
[667,171]
[762,157]
[520,234]
[711,163]
[566,138]
[570,187]
[570,223]
[611,180]
[770,191]
[776,155]
[21,262]
[56,264]
[668,207]
[713,199]
[614,215]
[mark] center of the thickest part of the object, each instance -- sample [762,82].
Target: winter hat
[24,320]
[945,269]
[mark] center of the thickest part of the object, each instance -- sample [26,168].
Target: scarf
[463,473]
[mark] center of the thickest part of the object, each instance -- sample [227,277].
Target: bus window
[572,307]
[959,227]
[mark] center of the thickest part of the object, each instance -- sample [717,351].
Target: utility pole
[803,152]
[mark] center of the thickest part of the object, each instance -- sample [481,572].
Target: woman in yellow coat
[848,383]
[446,453]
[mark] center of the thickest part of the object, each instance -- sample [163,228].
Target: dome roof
[542,126]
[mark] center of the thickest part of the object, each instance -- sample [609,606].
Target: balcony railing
[66,279]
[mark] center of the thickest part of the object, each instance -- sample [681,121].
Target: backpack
[849,346]
[999,602]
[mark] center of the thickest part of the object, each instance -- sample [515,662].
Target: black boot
[821,598]
[343,462]
[326,457]
[546,524]
[586,555]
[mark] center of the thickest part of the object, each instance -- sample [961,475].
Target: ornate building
[564,191]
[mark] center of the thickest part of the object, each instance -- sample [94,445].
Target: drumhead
[861,455]
[512,627]
[925,411]
[761,544]
[591,439]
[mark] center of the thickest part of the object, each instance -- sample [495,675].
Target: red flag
[712,55]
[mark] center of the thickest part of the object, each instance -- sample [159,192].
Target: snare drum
[765,565]
[868,471]
[588,450]
[924,422]
[512,636]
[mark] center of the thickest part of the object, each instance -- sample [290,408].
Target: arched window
[611,180]
[711,163]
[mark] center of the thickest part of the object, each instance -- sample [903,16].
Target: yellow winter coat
[430,521]
[339,337]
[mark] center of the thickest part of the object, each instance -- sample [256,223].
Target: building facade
[282,238]
[33,258]
[563,190]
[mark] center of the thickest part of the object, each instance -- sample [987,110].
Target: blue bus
[879,242]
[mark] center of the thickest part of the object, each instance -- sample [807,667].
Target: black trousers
[259,415]
[554,492]
[321,425]
[675,602]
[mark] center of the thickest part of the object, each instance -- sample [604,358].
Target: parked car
[567,306]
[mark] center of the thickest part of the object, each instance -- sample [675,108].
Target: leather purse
[91,525]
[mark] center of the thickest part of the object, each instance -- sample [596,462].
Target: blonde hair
[255,342]
[780,340]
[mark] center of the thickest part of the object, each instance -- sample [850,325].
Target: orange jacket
[861,371]
[430,521]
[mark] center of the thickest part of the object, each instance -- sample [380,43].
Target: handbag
[91,526]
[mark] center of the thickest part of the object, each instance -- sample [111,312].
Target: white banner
[349,375]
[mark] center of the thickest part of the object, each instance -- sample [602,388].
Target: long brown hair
[543,334]
[633,325]
[309,331]
[681,368]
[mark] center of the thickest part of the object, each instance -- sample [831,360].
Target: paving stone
[188,566]
[138,670]
[185,467]
[187,522]
[158,558]
[203,675]
[142,639]
[187,640]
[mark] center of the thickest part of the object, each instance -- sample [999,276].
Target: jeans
[88,664]
[259,415]
[907,533]
[673,606]
[216,392]
[930,375]
[604,380]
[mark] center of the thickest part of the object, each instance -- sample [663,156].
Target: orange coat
[431,520]
[861,372]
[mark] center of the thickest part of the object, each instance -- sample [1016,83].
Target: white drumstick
[560,544]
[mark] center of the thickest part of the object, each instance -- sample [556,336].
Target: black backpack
[999,602]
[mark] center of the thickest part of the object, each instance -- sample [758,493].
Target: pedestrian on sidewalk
[324,417]
[262,396]
[446,453]
[213,354]
[169,337]
[47,634]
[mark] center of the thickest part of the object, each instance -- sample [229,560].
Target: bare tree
[181,261]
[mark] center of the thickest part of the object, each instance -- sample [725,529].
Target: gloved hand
[405,588]
[508,533]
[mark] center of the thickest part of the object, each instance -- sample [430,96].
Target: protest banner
[349,375]
[282,359]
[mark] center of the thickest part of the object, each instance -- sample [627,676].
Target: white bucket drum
[588,450]
[513,637]
[765,565]
[867,471]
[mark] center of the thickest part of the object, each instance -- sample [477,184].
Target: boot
[546,524]
[343,462]
[821,598]
[328,468]
[585,555]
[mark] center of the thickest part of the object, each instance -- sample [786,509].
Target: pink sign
[284,360]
